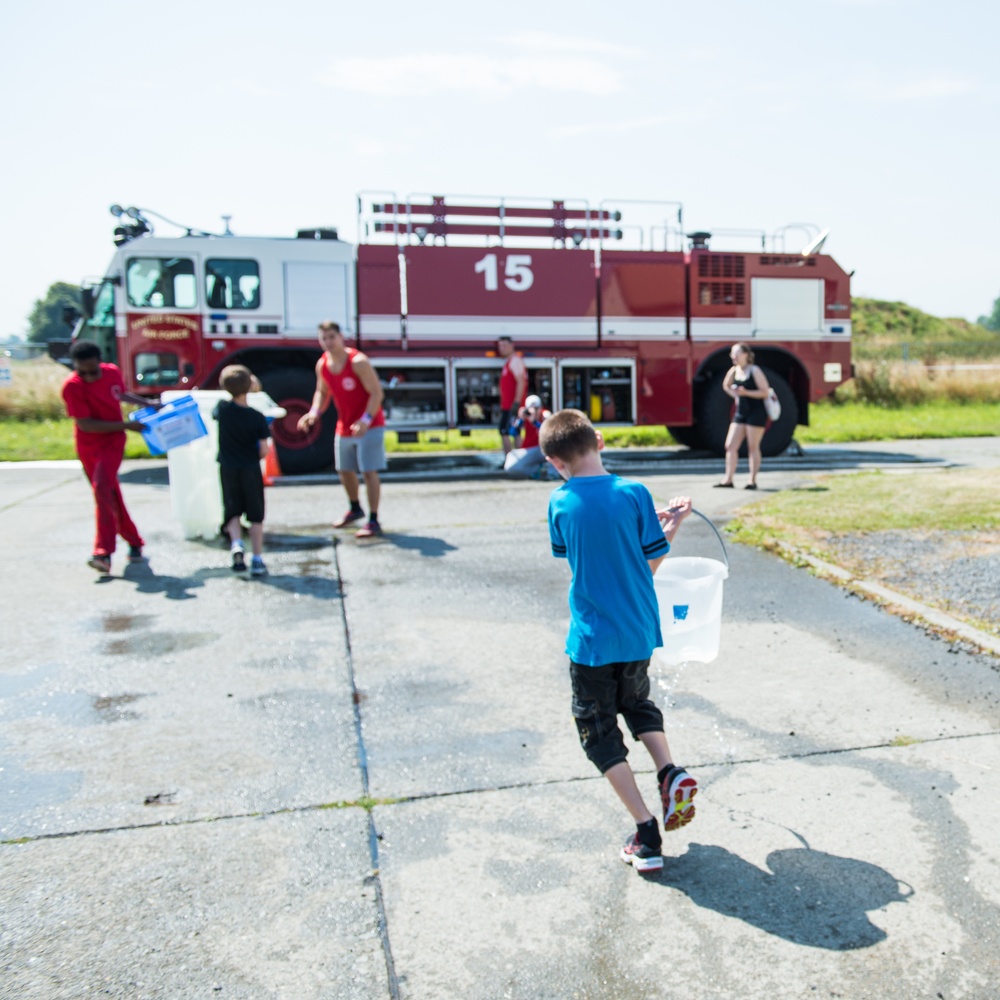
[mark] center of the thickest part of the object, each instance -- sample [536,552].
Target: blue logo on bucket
[680,612]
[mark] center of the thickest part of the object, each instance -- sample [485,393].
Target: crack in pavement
[370,805]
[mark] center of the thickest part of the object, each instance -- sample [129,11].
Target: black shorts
[750,411]
[242,493]
[506,419]
[600,694]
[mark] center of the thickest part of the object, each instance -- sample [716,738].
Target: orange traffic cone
[272,468]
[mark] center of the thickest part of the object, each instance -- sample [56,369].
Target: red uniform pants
[101,468]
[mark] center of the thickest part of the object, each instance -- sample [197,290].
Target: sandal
[723,486]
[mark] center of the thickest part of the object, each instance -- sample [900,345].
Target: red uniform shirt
[531,430]
[99,400]
[349,395]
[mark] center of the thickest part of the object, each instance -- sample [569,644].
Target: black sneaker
[677,792]
[640,856]
[135,554]
[239,563]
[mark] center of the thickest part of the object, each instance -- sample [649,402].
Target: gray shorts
[361,454]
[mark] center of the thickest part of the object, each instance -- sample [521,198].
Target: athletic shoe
[349,518]
[239,563]
[101,563]
[641,857]
[257,567]
[676,792]
[135,554]
[370,530]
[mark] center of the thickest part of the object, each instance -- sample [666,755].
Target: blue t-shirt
[607,528]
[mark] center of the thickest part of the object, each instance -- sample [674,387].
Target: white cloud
[250,88]
[620,127]
[551,42]
[367,145]
[429,73]
[931,87]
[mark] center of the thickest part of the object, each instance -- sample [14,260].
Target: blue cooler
[174,424]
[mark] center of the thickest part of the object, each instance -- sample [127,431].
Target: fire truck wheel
[779,434]
[690,437]
[715,411]
[299,454]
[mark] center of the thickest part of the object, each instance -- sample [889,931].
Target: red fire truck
[636,336]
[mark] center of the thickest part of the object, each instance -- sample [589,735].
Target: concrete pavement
[358,777]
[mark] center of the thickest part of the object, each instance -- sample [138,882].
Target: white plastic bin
[195,490]
[689,593]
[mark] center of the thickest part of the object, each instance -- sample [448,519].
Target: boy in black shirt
[243,437]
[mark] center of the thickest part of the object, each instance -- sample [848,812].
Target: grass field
[939,500]
[885,401]
[904,529]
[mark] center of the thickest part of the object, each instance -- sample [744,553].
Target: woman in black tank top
[746,383]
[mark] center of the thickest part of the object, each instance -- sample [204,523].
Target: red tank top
[508,385]
[349,395]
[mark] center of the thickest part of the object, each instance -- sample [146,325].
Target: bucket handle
[725,554]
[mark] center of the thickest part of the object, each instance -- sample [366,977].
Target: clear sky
[875,118]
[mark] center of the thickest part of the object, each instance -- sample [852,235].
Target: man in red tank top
[347,376]
[513,389]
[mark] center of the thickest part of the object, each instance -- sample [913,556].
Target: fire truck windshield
[100,327]
[161,282]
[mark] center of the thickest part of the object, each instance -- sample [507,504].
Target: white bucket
[689,592]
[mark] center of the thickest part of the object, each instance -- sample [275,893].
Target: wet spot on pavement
[115,623]
[112,708]
[158,643]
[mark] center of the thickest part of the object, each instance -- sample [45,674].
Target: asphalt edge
[923,615]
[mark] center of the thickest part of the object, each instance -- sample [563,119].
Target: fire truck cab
[630,335]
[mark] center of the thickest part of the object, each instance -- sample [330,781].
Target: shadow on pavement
[808,897]
[323,588]
[178,588]
[278,542]
[155,475]
[424,544]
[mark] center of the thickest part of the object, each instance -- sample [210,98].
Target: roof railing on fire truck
[667,228]
[426,217]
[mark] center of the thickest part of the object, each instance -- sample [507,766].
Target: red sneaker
[641,857]
[370,530]
[349,518]
[676,792]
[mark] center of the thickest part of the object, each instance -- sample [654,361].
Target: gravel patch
[956,571]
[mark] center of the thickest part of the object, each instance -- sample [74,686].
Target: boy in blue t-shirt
[614,538]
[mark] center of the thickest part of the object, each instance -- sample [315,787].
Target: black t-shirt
[240,428]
